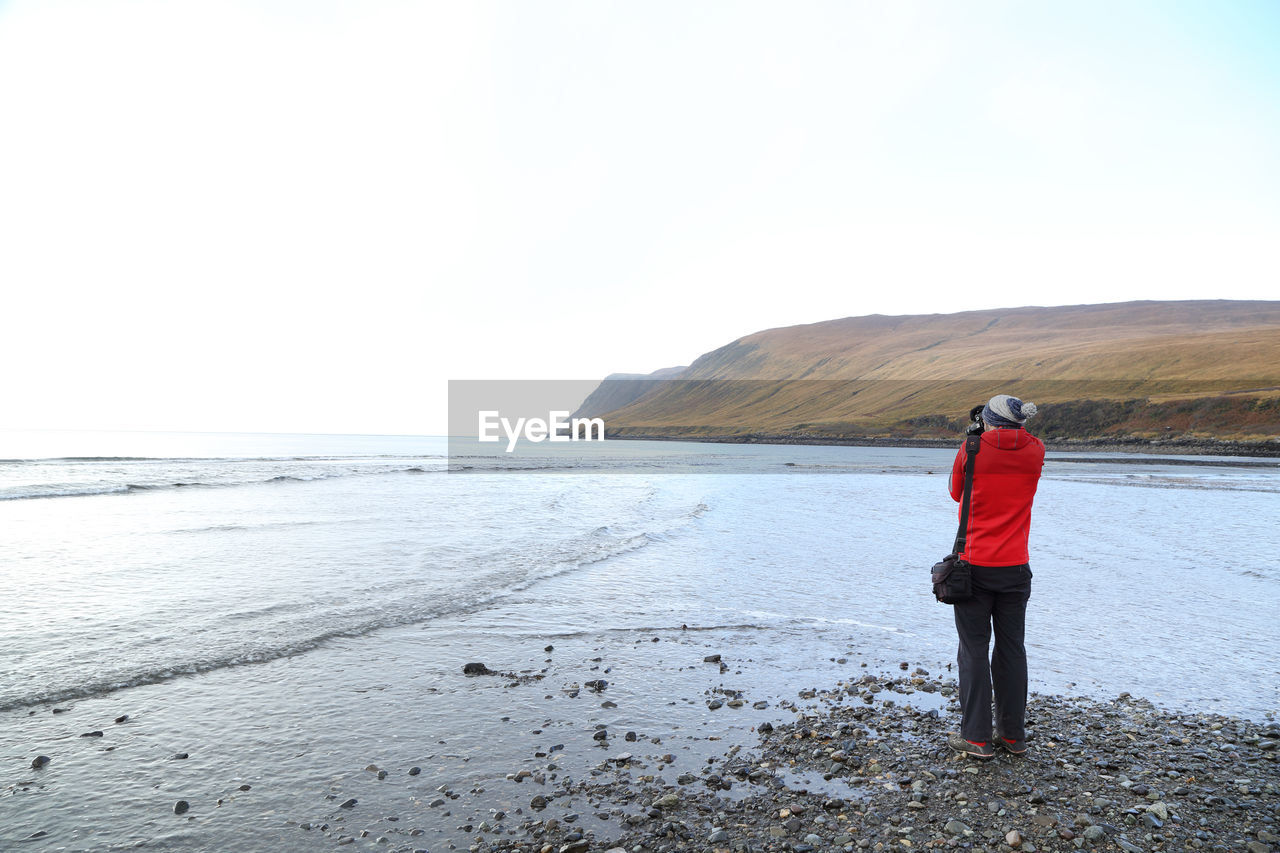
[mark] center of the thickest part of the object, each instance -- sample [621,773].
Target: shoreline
[863,765]
[728,754]
[1172,447]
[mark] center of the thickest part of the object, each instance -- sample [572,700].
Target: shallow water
[299,610]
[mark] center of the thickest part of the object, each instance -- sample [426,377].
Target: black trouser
[999,600]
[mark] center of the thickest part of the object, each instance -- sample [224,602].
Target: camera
[975,421]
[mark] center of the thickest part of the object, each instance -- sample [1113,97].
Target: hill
[1136,370]
[622,389]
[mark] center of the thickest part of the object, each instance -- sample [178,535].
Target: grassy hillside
[622,389]
[1138,369]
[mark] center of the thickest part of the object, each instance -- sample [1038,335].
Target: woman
[1006,473]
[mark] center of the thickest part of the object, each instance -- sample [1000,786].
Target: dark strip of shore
[1171,446]
[864,766]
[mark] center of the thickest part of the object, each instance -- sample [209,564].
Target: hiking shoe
[969,748]
[1016,746]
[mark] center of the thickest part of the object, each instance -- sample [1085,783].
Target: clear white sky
[307,216]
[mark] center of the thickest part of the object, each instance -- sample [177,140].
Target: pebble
[667,801]
[414,771]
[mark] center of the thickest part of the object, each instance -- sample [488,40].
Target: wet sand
[862,764]
[688,740]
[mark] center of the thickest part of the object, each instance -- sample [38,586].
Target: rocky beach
[861,764]
[733,755]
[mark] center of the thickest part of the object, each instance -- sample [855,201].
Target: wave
[1195,461]
[54,460]
[531,466]
[72,490]
[776,619]
[375,613]
[698,511]
[1154,481]
[244,656]
[61,491]
[229,528]
[168,672]
[648,630]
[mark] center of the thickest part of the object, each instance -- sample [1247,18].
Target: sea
[266,627]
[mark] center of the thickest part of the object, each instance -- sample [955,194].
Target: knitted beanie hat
[1005,411]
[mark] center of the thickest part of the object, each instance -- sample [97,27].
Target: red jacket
[1004,484]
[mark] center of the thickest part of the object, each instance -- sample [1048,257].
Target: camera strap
[972,444]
